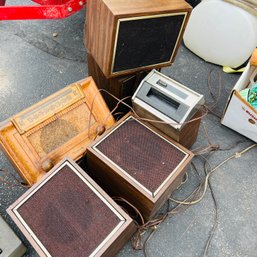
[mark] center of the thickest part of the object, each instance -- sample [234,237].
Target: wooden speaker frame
[148,67]
[108,247]
[103,22]
[107,173]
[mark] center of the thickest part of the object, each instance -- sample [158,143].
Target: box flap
[240,117]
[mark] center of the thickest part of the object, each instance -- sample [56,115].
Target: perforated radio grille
[141,153]
[67,217]
[60,129]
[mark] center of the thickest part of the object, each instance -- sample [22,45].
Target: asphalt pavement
[35,64]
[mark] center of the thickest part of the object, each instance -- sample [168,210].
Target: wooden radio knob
[100,130]
[47,165]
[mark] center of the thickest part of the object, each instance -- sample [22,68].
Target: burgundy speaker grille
[141,153]
[67,217]
[52,135]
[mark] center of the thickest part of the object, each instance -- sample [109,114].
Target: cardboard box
[239,115]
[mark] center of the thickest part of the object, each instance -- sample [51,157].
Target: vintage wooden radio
[127,36]
[134,161]
[67,214]
[10,244]
[120,87]
[160,98]
[62,124]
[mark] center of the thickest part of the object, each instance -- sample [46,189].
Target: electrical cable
[236,155]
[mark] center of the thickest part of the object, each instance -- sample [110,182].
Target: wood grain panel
[44,142]
[118,182]
[186,136]
[103,16]
[120,87]
[143,7]
[67,214]
[100,31]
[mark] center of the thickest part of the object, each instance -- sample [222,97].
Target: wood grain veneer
[40,136]
[186,136]
[67,214]
[120,87]
[104,19]
[137,162]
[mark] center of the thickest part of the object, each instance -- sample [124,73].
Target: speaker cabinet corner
[135,162]
[128,36]
[67,214]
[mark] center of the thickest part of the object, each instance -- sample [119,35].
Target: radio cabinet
[61,125]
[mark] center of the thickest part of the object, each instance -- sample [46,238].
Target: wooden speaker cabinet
[67,214]
[62,124]
[136,162]
[186,136]
[127,36]
[120,87]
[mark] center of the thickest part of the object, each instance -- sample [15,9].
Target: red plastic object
[46,9]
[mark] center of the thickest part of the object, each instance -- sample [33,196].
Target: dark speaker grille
[145,42]
[141,153]
[67,216]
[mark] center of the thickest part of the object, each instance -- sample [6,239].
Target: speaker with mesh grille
[67,214]
[61,125]
[127,36]
[136,162]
